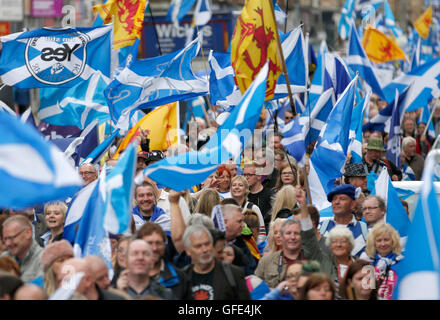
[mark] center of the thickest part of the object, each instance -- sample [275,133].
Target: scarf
[383,263]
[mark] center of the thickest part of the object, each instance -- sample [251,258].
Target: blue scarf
[383,263]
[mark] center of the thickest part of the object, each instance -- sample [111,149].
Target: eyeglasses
[156,154]
[369,208]
[249,174]
[13,237]
[86,173]
[341,241]
[292,275]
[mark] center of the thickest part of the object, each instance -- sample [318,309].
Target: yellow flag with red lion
[423,23]
[254,41]
[128,18]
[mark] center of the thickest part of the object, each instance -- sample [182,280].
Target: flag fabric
[418,274]
[183,171]
[416,56]
[395,214]
[222,88]
[55,57]
[425,79]
[293,141]
[423,23]
[202,13]
[162,123]
[295,54]
[119,193]
[76,106]
[280,15]
[91,237]
[5,108]
[390,22]
[253,43]
[312,121]
[380,48]
[127,16]
[357,117]
[357,60]
[381,121]
[336,74]
[178,9]
[408,173]
[76,149]
[347,14]
[395,133]
[32,170]
[328,159]
[154,82]
[424,117]
[96,155]
[317,86]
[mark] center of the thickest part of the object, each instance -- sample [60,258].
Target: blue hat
[347,189]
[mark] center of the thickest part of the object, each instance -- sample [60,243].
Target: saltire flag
[313,120]
[162,123]
[96,155]
[336,74]
[395,214]
[416,56]
[408,173]
[128,18]
[222,88]
[119,193]
[183,171]
[423,23]
[419,273]
[154,82]
[91,238]
[202,13]
[178,9]
[390,22]
[61,57]
[425,86]
[76,106]
[317,86]
[381,121]
[347,14]
[357,117]
[32,171]
[424,117]
[380,48]
[370,5]
[295,54]
[328,159]
[76,149]
[395,133]
[254,41]
[357,60]
[5,108]
[293,141]
[280,15]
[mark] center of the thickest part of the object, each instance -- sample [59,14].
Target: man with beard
[211,279]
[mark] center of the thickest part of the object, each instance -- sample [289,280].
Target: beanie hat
[54,251]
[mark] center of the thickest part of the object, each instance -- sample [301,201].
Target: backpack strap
[229,276]
[324,226]
[249,205]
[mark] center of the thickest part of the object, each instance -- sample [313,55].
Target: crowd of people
[272,243]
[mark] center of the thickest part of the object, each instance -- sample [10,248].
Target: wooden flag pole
[291,100]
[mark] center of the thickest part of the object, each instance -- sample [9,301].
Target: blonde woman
[208,199]
[383,251]
[54,213]
[284,199]
[274,237]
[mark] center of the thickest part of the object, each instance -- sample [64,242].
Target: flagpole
[430,117]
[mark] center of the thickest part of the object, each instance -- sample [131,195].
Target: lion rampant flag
[253,43]
[163,125]
[129,17]
[423,23]
[380,48]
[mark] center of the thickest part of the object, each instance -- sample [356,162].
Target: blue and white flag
[295,53]
[154,82]
[365,8]
[312,121]
[416,56]
[178,9]
[183,171]
[328,159]
[381,121]
[119,193]
[395,133]
[395,214]
[76,106]
[336,74]
[419,273]
[347,14]
[408,173]
[91,237]
[317,86]
[280,15]
[424,117]
[358,60]
[101,149]
[78,148]
[426,85]
[202,13]
[356,129]
[61,57]
[222,88]
[293,141]
[390,23]
[32,170]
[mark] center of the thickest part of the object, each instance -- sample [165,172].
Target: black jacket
[223,288]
